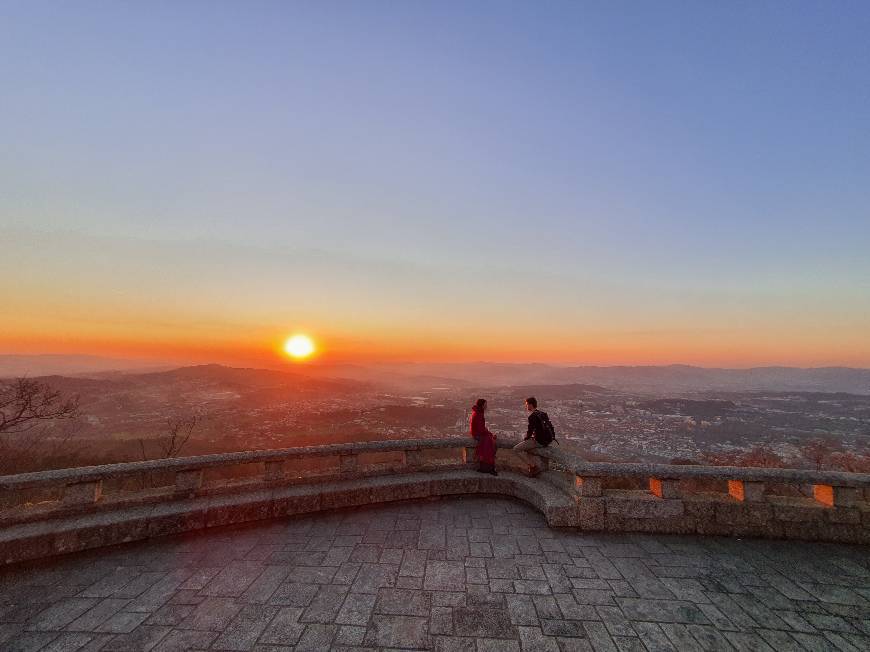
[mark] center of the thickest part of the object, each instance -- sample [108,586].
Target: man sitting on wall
[540,434]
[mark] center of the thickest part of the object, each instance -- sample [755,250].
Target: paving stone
[546,606]
[562,628]
[123,622]
[497,645]
[141,639]
[747,642]
[68,642]
[350,635]
[778,640]
[233,580]
[110,583]
[243,632]
[213,614]
[413,563]
[346,573]
[199,579]
[179,640]
[441,621]
[98,614]
[262,588]
[532,638]
[454,644]
[316,638]
[294,595]
[710,638]
[170,614]
[325,606]
[139,585]
[532,587]
[285,628]
[373,577]
[521,610]
[482,622]
[444,576]
[398,631]
[592,596]
[679,635]
[662,611]
[667,637]
[615,621]
[489,575]
[357,609]
[575,645]
[29,641]
[403,602]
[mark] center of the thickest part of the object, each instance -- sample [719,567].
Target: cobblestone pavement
[459,574]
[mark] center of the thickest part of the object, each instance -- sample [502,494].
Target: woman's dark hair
[480,404]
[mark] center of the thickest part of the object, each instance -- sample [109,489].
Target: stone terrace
[466,573]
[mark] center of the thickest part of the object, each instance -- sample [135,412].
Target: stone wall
[73,509]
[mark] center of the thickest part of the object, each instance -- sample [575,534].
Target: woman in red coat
[484,438]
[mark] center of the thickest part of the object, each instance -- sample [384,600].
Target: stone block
[402,490]
[664,488]
[662,525]
[254,507]
[770,530]
[588,486]
[133,527]
[173,518]
[295,501]
[637,505]
[488,484]
[274,471]
[82,493]
[821,531]
[831,495]
[454,485]
[850,515]
[749,514]
[528,494]
[188,482]
[33,547]
[746,491]
[69,541]
[701,507]
[800,510]
[337,495]
[590,513]
[562,516]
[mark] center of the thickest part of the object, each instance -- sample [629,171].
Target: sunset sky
[579,182]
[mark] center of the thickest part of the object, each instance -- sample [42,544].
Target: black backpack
[545,434]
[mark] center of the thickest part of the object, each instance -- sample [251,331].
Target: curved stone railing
[59,511]
[722,500]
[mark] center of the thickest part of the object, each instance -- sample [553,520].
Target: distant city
[127,416]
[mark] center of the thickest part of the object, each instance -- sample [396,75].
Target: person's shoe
[492,472]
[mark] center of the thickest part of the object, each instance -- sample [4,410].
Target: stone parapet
[73,509]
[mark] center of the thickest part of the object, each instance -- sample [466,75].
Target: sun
[299,346]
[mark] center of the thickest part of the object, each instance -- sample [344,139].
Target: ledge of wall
[570,493]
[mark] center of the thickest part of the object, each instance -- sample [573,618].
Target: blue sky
[650,166]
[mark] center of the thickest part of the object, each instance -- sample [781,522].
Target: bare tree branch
[26,403]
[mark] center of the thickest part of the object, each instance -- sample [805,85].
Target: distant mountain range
[645,379]
[650,379]
[59,364]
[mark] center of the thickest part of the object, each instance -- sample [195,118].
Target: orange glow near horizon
[268,348]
